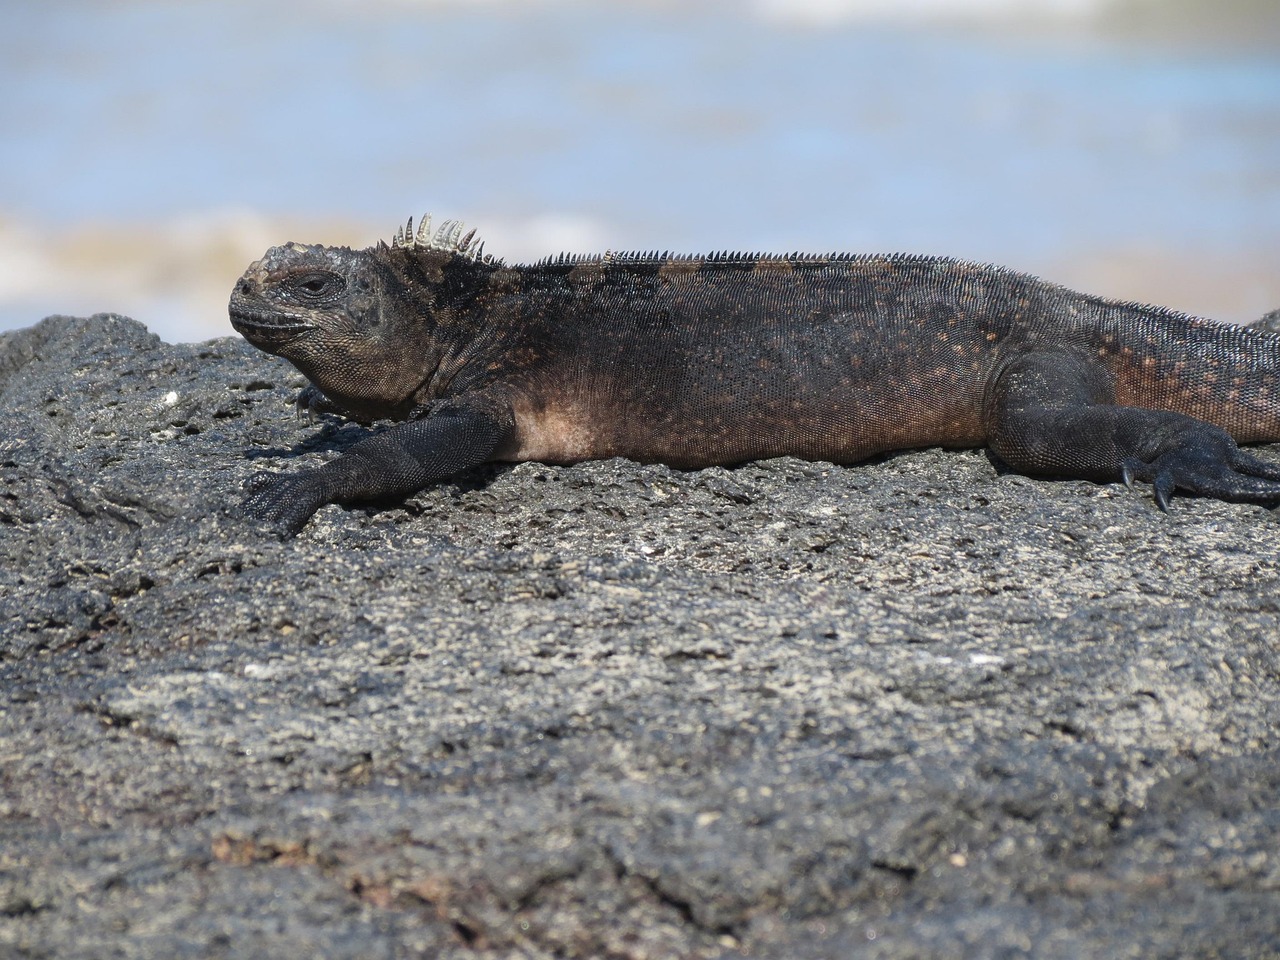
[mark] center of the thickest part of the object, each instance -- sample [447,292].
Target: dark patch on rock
[912,709]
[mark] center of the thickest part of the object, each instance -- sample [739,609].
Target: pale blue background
[690,126]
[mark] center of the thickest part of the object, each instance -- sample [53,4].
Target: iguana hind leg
[1053,413]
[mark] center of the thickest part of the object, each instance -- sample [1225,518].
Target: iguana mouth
[263,327]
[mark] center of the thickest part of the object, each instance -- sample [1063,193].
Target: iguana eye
[318,286]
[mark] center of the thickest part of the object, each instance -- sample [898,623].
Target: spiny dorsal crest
[449,238]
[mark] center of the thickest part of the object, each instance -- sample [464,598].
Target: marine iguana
[700,360]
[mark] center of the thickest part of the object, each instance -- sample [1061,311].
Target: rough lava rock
[913,708]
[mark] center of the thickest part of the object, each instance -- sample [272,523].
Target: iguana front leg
[1053,413]
[449,437]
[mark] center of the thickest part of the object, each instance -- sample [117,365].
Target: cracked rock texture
[913,708]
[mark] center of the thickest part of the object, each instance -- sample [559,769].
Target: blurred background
[150,150]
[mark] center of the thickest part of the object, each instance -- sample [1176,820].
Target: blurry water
[150,149]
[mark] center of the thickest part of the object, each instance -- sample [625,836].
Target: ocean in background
[151,150]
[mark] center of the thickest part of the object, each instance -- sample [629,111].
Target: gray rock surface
[916,708]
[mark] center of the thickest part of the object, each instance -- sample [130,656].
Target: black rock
[914,708]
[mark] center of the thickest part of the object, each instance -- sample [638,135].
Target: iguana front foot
[284,501]
[312,401]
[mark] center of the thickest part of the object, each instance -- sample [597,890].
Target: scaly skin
[694,361]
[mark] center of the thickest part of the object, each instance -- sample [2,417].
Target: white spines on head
[448,238]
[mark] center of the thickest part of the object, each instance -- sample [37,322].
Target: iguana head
[362,325]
